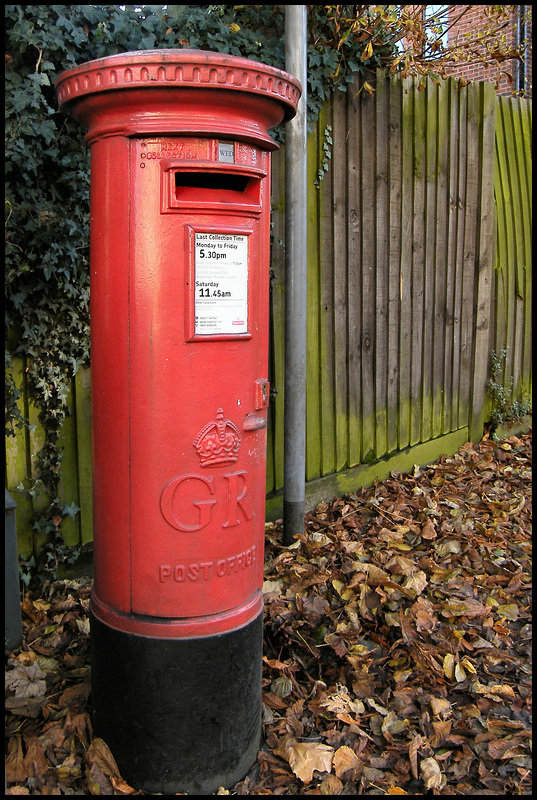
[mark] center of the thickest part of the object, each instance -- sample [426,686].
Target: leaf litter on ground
[397,647]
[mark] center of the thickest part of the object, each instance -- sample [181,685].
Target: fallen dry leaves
[397,647]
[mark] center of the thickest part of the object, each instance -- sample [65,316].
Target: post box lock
[262,393]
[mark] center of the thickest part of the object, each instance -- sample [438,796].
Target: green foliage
[506,408]
[47,180]
[15,421]
[327,155]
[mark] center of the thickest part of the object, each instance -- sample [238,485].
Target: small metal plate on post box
[226,152]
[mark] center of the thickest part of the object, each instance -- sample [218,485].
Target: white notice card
[221,283]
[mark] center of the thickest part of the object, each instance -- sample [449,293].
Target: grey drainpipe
[295,282]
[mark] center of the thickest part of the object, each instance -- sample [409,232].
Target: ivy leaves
[247,31]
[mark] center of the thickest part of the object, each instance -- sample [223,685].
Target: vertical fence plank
[418,262]
[36,442]
[395,221]
[405,266]
[326,299]
[441,317]
[380,191]
[524,153]
[367,266]
[314,366]
[523,243]
[68,490]
[470,250]
[453,200]
[503,261]
[17,466]
[458,339]
[84,453]
[340,310]
[484,261]
[354,261]
[514,347]
[518,193]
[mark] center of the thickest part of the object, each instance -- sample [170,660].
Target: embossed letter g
[170,504]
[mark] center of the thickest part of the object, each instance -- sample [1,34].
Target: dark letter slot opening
[227,187]
[211,180]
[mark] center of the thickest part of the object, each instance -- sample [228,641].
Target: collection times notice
[221,283]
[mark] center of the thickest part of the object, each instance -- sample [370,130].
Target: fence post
[13,630]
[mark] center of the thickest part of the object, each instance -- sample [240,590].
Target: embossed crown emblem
[218,442]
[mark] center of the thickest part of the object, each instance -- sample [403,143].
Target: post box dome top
[178,92]
[173,68]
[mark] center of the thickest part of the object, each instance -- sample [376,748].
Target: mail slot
[214,185]
[180,216]
[221,182]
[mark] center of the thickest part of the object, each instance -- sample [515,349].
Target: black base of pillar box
[178,715]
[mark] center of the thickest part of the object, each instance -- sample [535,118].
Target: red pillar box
[180,214]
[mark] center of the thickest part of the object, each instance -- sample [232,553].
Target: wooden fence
[513,263]
[419,264]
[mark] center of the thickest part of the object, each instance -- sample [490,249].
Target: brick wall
[474,20]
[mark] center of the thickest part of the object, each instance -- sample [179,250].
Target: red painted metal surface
[180,213]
